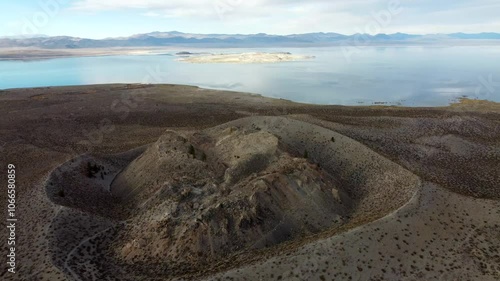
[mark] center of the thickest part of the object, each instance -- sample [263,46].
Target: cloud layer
[294,16]
[105,18]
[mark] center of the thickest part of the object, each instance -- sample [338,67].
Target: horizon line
[33,36]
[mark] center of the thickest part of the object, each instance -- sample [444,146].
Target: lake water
[412,76]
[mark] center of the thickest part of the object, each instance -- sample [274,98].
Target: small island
[246,58]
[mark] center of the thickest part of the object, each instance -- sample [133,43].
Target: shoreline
[245,58]
[462,103]
[33,54]
[36,53]
[40,128]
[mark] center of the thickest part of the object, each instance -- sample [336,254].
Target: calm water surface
[413,76]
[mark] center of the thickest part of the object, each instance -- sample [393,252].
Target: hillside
[195,184]
[158,39]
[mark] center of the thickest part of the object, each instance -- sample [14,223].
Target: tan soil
[451,224]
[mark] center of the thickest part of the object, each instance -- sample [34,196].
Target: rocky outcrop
[194,200]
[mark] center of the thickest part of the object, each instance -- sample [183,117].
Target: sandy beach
[244,58]
[30,53]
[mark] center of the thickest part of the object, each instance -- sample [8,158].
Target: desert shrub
[191,150]
[93,169]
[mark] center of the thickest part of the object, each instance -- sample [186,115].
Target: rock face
[191,201]
[226,191]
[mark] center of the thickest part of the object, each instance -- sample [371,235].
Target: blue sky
[115,18]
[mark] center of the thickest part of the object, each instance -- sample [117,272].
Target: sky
[116,18]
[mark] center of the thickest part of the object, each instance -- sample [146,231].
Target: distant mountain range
[175,38]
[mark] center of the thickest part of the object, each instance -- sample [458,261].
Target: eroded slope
[192,201]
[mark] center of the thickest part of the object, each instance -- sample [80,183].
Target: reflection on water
[414,76]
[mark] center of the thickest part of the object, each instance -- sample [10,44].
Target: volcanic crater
[195,199]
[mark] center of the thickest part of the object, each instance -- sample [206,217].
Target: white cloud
[151,14]
[297,16]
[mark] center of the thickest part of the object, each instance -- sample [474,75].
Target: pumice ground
[171,182]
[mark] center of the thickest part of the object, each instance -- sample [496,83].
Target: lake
[411,76]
